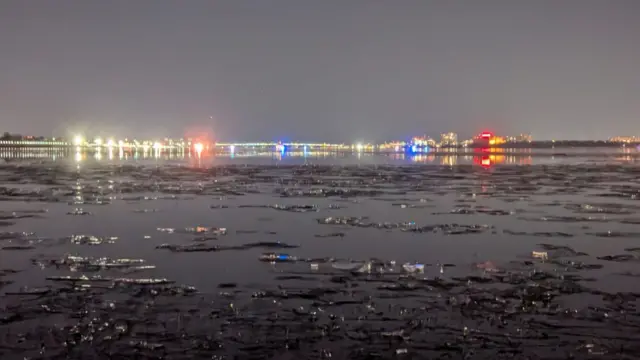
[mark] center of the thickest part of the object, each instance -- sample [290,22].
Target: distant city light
[98,141]
[110,143]
[120,143]
[157,145]
[232,148]
[78,140]
[198,147]
[359,147]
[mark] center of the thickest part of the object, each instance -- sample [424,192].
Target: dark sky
[335,70]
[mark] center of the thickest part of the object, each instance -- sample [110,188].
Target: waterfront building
[449,139]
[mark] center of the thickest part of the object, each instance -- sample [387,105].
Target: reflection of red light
[484,161]
[481,150]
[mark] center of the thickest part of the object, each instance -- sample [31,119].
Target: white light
[232,148]
[110,143]
[98,141]
[78,140]
[157,145]
[199,147]
[120,143]
[359,147]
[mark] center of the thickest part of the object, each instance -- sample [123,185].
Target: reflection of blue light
[415,148]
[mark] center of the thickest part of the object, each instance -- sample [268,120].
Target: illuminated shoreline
[279,147]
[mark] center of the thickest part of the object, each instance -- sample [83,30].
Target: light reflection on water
[451,157]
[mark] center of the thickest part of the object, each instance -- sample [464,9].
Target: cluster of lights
[625,139]
[79,140]
[415,145]
[32,142]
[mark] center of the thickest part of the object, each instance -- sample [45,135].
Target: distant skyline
[331,70]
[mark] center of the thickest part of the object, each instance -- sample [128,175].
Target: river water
[295,256]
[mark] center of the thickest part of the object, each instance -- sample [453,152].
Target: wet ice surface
[301,261]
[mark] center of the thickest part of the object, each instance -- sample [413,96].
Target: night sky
[334,70]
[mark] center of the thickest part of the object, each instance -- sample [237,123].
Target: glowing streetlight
[359,147]
[198,147]
[78,140]
[110,143]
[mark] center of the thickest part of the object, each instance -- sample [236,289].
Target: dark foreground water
[269,258]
